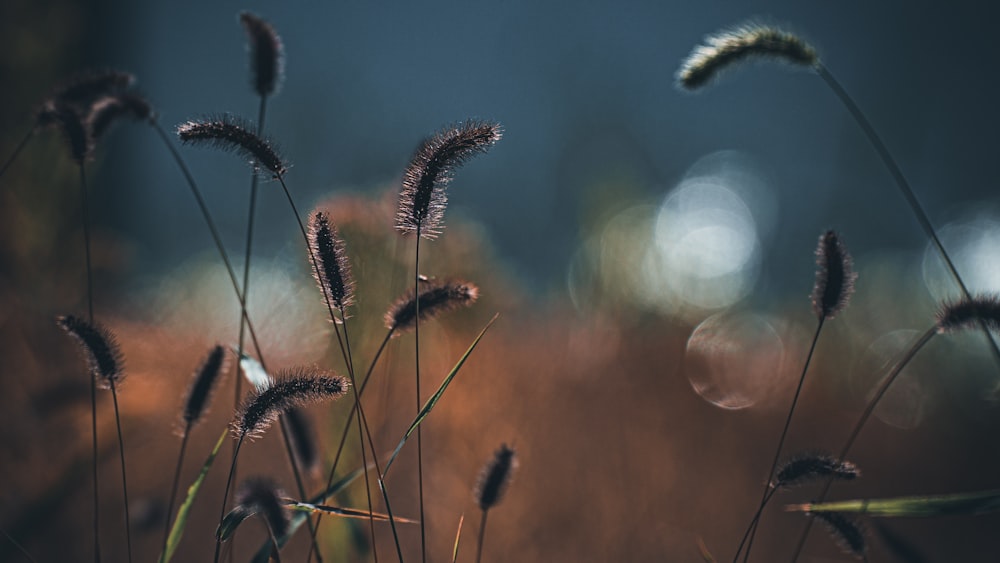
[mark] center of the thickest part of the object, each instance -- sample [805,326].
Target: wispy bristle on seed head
[804,468]
[746,42]
[303,440]
[968,313]
[262,495]
[495,477]
[333,271]
[267,54]
[847,531]
[835,276]
[435,297]
[230,133]
[108,109]
[422,200]
[291,388]
[99,346]
[211,368]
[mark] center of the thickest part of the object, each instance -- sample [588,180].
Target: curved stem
[173,488]
[93,383]
[879,393]
[121,456]
[781,442]
[18,546]
[17,151]
[905,190]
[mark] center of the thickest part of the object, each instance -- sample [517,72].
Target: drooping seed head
[80,91]
[262,495]
[74,131]
[422,200]
[198,395]
[809,467]
[267,54]
[303,439]
[109,109]
[968,313]
[333,271]
[846,531]
[231,133]
[745,42]
[835,276]
[291,388]
[435,297]
[99,347]
[495,477]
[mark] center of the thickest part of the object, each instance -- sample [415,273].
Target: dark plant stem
[781,442]
[93,383]
[173,488]
[212,229]
[237,387]
[882,388]
[17,151]
[18,546]
[416,347]
[225,495]
[756,517]
[350,416]
[121,456]
[482,535]
[905,189]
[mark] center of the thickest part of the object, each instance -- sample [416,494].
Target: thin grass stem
[121,456]
[482,536]
[781,442]
[18,546]
[173,488]
[416,347]
[17,151]
[904,188]
[225,495]
[93,383]
[856,431]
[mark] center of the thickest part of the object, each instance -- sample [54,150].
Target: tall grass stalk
[17,150]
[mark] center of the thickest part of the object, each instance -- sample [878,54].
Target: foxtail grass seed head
[267,54]
[495,478]
[846,531]
[334,271]
[204,381]
[435,297]
[968,313]
[809,467]
[422,200]
[99,346]
[746,42]
[303,439]
[230,133]
[294,387]
[262,495]
[74,131]
[107,110]
[81,90]
[835,276]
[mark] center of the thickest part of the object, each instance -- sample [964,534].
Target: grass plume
[493,482]
[435,297]
[99,347]
[230,133]
[293,387]
[267,54]
[333,271]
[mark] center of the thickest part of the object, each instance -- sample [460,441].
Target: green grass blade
[346,512]
[429,405]
[182,513]
[458,538]
[232,521]
[254,372]
[982,502]
[299,518]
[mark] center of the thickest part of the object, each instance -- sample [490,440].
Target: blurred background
[650,252]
